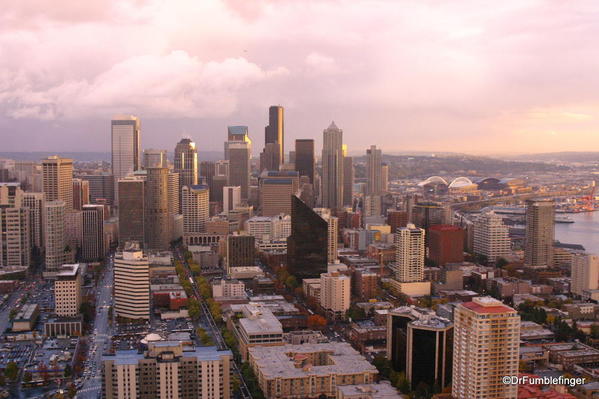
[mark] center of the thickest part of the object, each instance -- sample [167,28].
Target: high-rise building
[304,158]
[270,157]
[238,151]
[158,220]
[231,198]
[126,146]
[332,232]
[385,178]
[274,133]
[153,158]
[409,254]
[420,345]
[372,205]
[427,214]
[332,167]
[54,234]
[585,273]
[241,250]
[307,246]
[35,202]
[196,200]
[80,193]
[486,349]
[374,170]
[335,292]
[348,180]
[445,244]
[540,232]
[67,290]
[92,247]
[397,219]
[174,192]
[491,237]
[206,173]
[132,283]
[131,209]
[57,175]
[276,189]
[168,369]
[15,244]
[186,162]
[101,188]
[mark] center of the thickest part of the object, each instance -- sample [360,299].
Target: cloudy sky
[472,76]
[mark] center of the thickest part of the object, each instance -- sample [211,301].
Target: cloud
[321,64]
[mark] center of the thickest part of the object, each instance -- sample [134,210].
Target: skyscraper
[238,151]
[102,188]
[307,246]
[15,244]
[195,208]
[241,251]
[231,198]
[153,158]
[540,231]
[348,180]
[332,167]
[35,202]
[80,193]
[445,244]
[276,189]
[54,234]
[131,209]
[491,237]
[132,283]
[585,273]
[270,157]
[374,170]
[332,232]
[486,347]
[409,254]
[304,158]
[158,220]
[186,162]
[335,292]
[67,291]
[57,180]
[126,144]
[275,133]
[92,246]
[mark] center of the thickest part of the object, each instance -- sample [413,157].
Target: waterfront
[584,231]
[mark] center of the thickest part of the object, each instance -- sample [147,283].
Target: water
[584,231]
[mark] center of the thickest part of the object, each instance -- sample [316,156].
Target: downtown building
[67,290]
[408,269]
[276,189]
[335,292]
[132,283]
[486,349]
[585,274]
[158,207]
[57,180]
[125,134]
[131,193]
[92,243]
[167,369]
[374,171]
[491,237]
[540,233]
[195,204]
[186,162]
[238,151]
[54,235]
[15,237]
[332,168]
[304,158]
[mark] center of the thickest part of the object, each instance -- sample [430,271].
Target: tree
[87,310]
[291,282]
[193,307]
[356,313]
[383,365]
[501,263]
[316,321]
[11,371]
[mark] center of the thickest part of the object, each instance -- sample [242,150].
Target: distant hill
[565,156]
[91,156]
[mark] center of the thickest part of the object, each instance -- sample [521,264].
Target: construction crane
[588,201]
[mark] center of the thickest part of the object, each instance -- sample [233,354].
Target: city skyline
[407,76]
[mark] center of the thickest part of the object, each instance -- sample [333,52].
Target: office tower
[332,232]
[291,157]
[153,158]
[126,146]
[206,173]
[304,158]
[276,189]
[409,254]
[307,246]
[186,162]
[445,244]
[92,248]
[372,205]
[420,345]
[80,193]
[332,168]
[241,251]
[269,228]
[231,198]
[540,216]
[67,290]
[397,219]
[335,292]
[35,202]
[10,194]
[238,151]
[491,237]
[426,214]
[274,133]
[101,188]
[132,283]
[348,180]
[486,348]
[221,168]
[15,244]
[374,170]
[585,273]
[158,220]
[131,209]
[73,234]
[174,193]
[270,157]
[54,234]
[58,180]
[168,369]
[385,178]
[195,208]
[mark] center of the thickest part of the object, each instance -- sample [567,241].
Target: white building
[67,290]
[228,288]
[491,237]
[335,292]
[15,245]
[409,254]
[266,228]
[195,203]
[585,273]
[231,198]
[132,283]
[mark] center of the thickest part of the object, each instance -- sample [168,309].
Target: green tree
[291,282]
[11,371]
[383,365]
[193,307]
[87,310]
[501,263]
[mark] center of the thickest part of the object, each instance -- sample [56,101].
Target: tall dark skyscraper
[131,209]
[186,162]
[238,151]
[307,246]
[540,232]
[158,220]
[304,158]
[275,131]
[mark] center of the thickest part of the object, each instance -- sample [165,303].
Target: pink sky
[469,76]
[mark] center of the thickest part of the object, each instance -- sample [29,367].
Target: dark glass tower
[275,132]
[308,243]
[304,158]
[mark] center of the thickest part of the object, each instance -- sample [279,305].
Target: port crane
[588,201]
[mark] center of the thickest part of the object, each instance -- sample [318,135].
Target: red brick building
[445,244]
